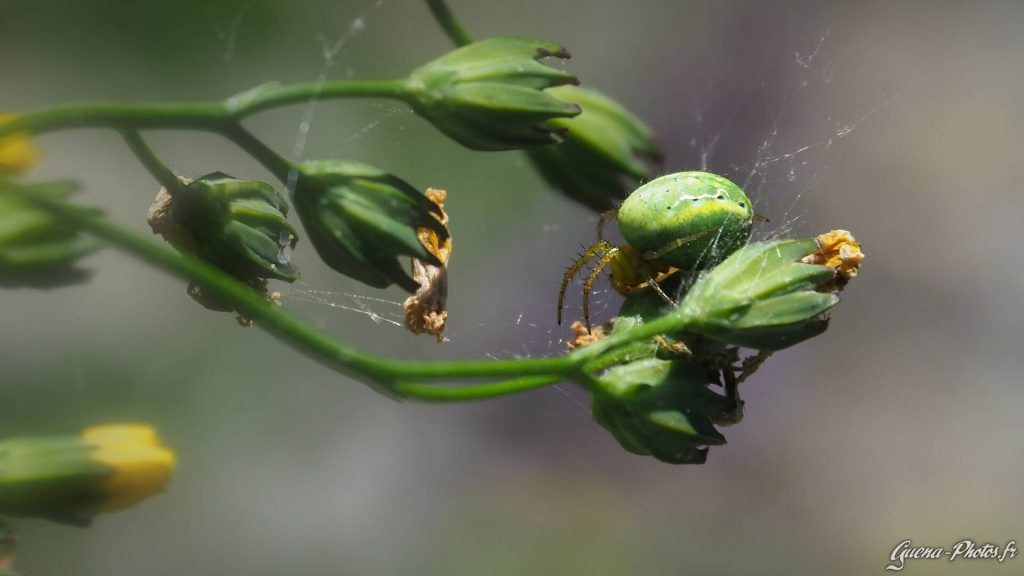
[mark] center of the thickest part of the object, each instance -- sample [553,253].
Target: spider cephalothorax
[686,221]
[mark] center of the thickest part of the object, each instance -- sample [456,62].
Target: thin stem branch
[278,165]
[469,393]
[399,377]
[151,162]
[275,96]
[592,354]
[214,117]
[456,32]
[222,118]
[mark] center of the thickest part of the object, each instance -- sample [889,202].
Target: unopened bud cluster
[658,398]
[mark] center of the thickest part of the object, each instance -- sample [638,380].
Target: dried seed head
[426,311]
[838,250]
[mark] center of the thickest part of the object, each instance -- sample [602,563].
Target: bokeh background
[900,121]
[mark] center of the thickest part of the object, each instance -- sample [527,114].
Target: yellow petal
[17,153]
[142,466]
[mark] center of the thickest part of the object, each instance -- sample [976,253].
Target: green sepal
[50,477]
[762,297]
[36,249]
[661,408]
[362,219]
[239,226]
[492,94]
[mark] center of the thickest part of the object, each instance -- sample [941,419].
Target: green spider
[685,221]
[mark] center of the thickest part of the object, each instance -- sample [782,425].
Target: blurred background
[900,121]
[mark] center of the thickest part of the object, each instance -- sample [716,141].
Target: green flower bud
[606,153]
[238,226]
[661,408]
[361,220]
[491,94]
[772,295]
[73,478]
[36,249]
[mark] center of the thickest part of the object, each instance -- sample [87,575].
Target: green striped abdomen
[668,209]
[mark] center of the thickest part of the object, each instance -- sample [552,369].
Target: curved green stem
[150,161]
[278,165]
[214,117]
[223,118]
[468,393]
[274,96]
[119,117]
[456,32]
[398,377]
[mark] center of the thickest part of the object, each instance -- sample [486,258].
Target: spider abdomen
[689,220]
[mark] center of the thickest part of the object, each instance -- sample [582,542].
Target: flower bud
[771,295]
[491,94]
[36,249]
[73,478]
[361,220]
[661,408]
[238,226]
[17,153]
[606,152]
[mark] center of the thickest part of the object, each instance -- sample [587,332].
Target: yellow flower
[142,467]
[72,478]
[17,153]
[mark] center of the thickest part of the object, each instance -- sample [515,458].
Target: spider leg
[732,392]
[605,217]
[649,280]
[596,248]
[751,364]
[655,254]
[601,264]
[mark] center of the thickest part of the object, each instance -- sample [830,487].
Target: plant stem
[467,393]
[274,96]
[161,173]
[214,117]
[223,118]
[456,32]
[398,377]
[593,355]
[278,165]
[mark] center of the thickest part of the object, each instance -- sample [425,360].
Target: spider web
[761,137]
